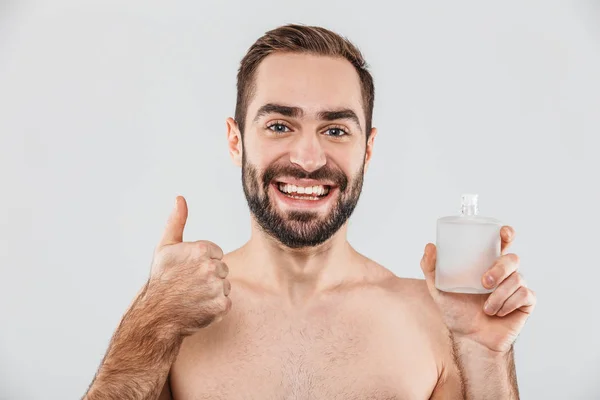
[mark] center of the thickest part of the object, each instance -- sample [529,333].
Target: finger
[226,308]
[210,249]
[499,296]
[502,268]
[428,264]
[173,232]
[222,269]
[507,235]
[523,299]
[226,287]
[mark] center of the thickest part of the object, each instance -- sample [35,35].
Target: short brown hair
[295,38]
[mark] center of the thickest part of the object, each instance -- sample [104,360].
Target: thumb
[428,264]
[173,232]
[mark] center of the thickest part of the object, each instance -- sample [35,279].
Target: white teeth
[316,190]
[304,198]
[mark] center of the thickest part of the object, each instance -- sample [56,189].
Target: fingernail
[507,233]
[487,308]
[489,281]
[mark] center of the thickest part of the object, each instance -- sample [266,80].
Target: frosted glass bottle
[467,246]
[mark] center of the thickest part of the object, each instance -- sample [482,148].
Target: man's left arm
[482,329]
[475,373]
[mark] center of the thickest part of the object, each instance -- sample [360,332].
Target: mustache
[325,173]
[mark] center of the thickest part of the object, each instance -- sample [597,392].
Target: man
[296,312]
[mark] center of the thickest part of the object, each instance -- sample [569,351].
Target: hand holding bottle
[491,320]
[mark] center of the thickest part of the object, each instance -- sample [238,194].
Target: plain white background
[109,109]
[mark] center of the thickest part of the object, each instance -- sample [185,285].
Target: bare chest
[328,354]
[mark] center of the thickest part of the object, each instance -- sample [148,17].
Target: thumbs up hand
[187,286]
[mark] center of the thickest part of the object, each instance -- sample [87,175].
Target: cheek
[262,152]
[349,158]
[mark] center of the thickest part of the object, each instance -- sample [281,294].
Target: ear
[234,141]
[369,151]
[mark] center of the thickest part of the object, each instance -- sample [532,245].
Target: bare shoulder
[409,321]
[410,300]
[433,338]
[406,290]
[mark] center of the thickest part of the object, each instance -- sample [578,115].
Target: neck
[299,274]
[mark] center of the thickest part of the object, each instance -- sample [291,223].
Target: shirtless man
[296,312]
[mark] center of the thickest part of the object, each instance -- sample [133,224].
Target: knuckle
[204,275]
[212,266]
[216,287]
[208,289]
[201,249]
[211,292]
[495,303]
[212,248]
[208,268]
[522,297]
[216,250]
[520,281]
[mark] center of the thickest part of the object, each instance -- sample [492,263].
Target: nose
[308,153]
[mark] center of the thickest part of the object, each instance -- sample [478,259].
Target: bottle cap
[469,199]
[469,206]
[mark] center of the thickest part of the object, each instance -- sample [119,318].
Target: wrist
[149,317]
[466,346]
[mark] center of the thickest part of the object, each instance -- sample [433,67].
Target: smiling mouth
[313,193]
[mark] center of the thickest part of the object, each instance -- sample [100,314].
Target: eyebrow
[297,112]
[339,114]
[270,108]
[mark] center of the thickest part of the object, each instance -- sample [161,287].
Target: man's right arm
[139,357]
[187,291]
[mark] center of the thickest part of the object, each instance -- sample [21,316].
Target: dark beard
[297,229]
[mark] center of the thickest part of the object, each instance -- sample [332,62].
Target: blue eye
[336,132]
[278,128]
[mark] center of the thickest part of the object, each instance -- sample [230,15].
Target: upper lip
[303,182]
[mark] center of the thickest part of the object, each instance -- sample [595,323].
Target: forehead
[310,82]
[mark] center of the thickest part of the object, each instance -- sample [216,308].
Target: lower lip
[301,203]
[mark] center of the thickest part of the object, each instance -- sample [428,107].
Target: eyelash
[339,128]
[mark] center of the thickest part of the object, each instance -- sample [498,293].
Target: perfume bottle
[467,246]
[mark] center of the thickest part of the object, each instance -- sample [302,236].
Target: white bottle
[467,246]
